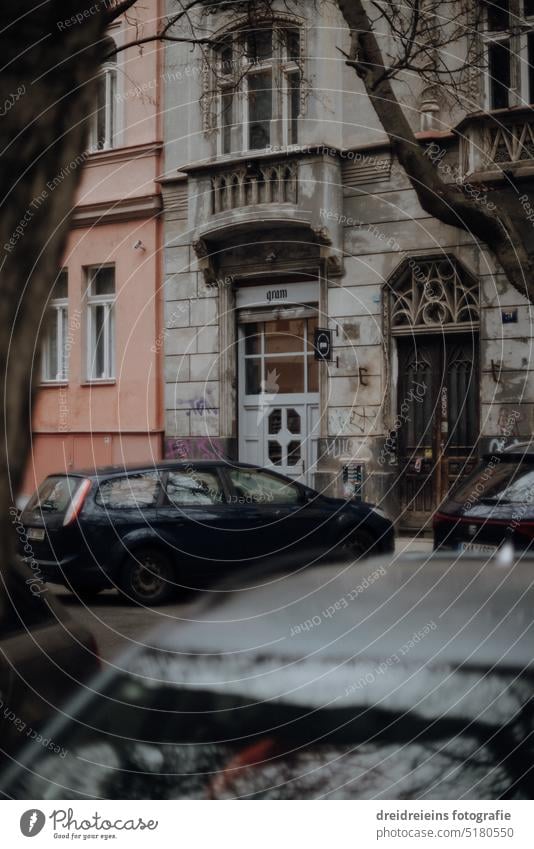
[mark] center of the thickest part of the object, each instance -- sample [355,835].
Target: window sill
[99,382]
[52,384]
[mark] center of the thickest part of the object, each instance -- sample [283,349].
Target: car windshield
[498,481]
[54,495]
[145,737]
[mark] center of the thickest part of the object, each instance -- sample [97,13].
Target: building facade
[100,400]
[286,213]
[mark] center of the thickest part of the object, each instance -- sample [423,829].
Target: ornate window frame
[432,294]
[215,83]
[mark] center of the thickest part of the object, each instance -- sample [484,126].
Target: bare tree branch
[440,199]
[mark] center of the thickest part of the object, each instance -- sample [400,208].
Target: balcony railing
[497,141]
[250,186]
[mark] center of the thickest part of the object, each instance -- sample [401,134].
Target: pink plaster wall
[82,424]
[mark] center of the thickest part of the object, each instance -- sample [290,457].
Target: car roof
[382,631]
[159,465]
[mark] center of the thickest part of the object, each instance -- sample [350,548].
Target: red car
[493,506]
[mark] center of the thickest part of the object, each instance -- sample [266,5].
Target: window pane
[193,487]
[98,369]
[284,336]
[227,120]
[226,54]
[100,116]
[263,488]
[111,341]
[54,495]
[259,45]
[103,280]
[61,285]
[313,375]
[64,354]
[275,452]
[293,106]
[498,15]
[285,374]
[253,377]
[252,338]
[51,348]
[293,44]
[499,71]
[293,453]
[129,492]
[110,135]
[260,107]
[312,325]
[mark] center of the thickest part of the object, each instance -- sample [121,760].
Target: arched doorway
[434,328]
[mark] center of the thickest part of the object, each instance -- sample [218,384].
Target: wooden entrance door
[437,419]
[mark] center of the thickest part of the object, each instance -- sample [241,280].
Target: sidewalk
[405,543]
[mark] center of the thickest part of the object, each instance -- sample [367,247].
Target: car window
[139,490]
[499,481]
[193,486]
[260,487]
[54,495]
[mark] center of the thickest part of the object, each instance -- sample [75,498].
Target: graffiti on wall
[198,448]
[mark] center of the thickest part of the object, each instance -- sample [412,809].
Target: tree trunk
[442,200]
[47,92]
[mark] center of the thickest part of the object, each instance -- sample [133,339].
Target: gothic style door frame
[432,319]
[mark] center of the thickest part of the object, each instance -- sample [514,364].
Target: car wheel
[147,577]
[360,544]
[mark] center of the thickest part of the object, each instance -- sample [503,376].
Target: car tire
[360,544]
[147,577]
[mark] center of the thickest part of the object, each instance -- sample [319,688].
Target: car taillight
[76,503]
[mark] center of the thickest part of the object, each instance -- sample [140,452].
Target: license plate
[478,548]
[35,533]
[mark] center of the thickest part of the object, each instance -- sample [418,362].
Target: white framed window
[55,357]
[100,322]
[259,88]
[509,47]
[103,130]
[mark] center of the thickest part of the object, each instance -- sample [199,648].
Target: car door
[287,519]
[192,516]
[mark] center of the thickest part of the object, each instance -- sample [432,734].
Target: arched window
[103,130]
[433,293]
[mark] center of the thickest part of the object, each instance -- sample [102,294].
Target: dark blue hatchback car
[175,526]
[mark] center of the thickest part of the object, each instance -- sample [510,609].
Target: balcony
[297,193]
[250,185]
[492,144]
